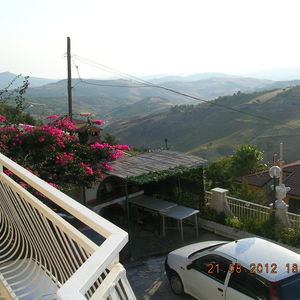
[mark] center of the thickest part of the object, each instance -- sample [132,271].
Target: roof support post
[128,219]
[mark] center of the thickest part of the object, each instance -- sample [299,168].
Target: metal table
[151,203]
[179,213]
[166,209]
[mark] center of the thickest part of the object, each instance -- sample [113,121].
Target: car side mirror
[190,266]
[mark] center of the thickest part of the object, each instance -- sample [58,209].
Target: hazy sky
[149,37]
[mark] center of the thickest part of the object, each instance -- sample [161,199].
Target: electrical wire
[150,84]
[100,84]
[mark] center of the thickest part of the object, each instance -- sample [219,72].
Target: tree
[15,115]
[247,159]
[218,174]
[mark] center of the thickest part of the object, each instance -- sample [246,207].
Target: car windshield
[290,288]
[204,249]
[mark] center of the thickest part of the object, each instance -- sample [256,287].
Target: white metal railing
[44,257]
[294,221]
[245,209]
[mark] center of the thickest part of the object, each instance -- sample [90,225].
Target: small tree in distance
[246,159]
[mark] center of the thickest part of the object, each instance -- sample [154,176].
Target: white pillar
[219,200]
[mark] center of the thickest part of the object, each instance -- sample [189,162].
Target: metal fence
[294,221]
[44,257]
[245,209]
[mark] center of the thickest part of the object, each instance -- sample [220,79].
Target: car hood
[186,251]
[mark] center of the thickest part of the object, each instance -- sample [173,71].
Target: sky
[143,37]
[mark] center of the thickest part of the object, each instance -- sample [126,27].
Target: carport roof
[159,160]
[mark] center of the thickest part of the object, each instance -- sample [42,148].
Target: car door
[244,285]
[206,277]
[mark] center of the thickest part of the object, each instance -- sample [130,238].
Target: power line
[100,84]
[150,84]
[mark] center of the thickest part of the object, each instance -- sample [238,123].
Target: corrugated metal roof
[159,160]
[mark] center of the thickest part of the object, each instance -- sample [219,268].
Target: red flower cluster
[64,158]
[54,152]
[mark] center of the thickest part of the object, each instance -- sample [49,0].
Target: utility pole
[166,142]
[69,77]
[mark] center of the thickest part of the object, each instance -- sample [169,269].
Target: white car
[251,268]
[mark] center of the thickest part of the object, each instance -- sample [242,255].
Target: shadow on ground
[148,241]
[145,269]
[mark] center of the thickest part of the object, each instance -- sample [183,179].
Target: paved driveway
[149,281]
[148,277]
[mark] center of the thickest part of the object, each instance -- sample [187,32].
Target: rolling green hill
[212,131]
[105,108]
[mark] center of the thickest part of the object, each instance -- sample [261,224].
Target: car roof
[259,251]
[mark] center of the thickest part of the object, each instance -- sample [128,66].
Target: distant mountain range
[283,74]
[118,99]
[145,115]
[212,130]
[7,77]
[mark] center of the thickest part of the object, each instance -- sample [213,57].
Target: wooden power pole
[69,77]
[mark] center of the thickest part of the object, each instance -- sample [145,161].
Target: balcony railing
[42,256]
[244,209]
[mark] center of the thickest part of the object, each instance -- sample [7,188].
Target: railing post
[128,220]
[219,200]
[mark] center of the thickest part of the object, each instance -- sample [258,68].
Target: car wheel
[176,284]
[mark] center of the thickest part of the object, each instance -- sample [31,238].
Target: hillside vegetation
[113,100]
[212,131]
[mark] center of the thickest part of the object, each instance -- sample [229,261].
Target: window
[290,288]
[214,266]
[249,284]
[294,205]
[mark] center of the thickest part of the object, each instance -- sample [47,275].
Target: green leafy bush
[233,222]
[290,237]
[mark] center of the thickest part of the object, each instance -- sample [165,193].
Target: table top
[152,203]
[179,212]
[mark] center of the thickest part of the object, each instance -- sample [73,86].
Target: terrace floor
[147,241]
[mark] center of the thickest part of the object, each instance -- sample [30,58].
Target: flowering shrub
[53,152]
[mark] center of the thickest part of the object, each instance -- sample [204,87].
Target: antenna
[281,162]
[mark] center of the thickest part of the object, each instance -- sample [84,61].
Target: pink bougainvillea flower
[41,139]
[23,185]
[2,119]
[53,184]
[119,153]
[98,122]
[113,156]
[116,154]
[108,146]
[54,117]
[122,147]
[8,172]
[89,170]
[28,128]
[27,83]
[97,146]
[106,166]
[64,158]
